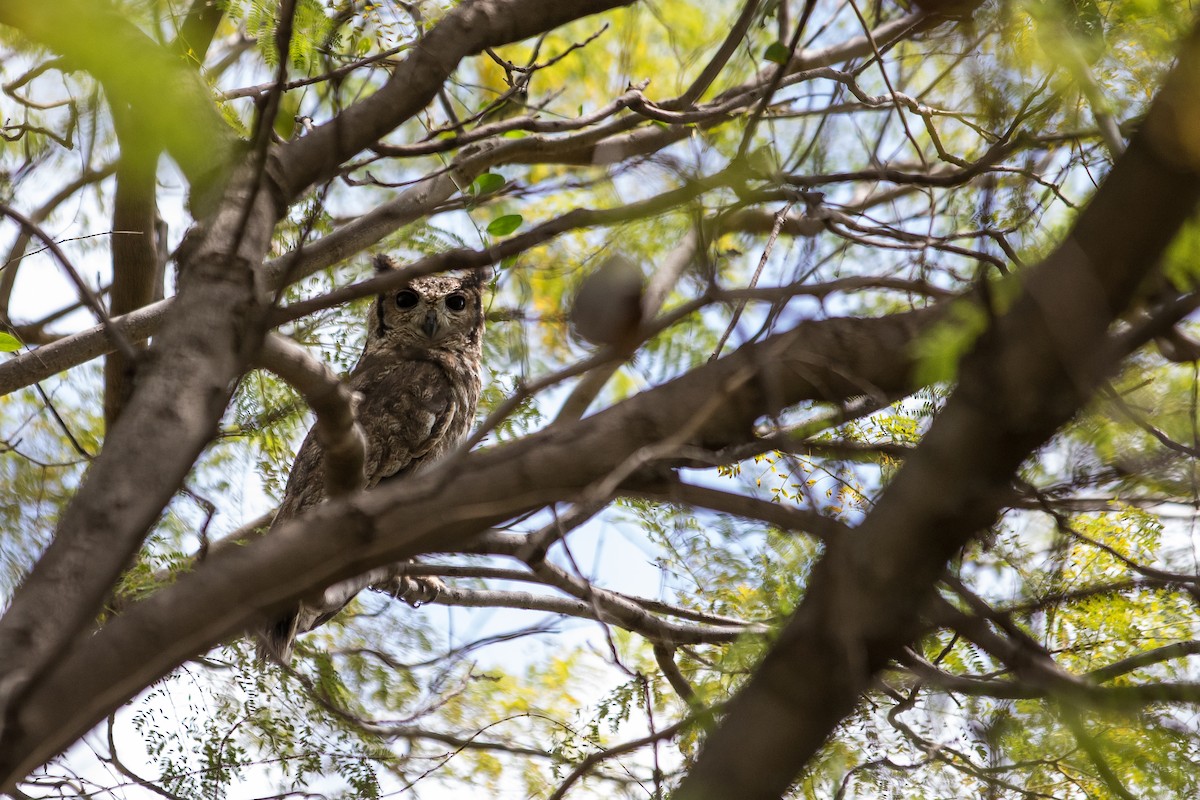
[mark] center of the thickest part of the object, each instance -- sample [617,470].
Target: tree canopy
[841,405]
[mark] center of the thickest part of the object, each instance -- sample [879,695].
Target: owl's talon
[417,591]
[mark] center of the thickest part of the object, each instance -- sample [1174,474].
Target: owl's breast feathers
[414,410]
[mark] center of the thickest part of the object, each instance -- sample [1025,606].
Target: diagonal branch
[468,29]
[235,587]
[1027,375]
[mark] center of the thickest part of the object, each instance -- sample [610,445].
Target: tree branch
[343,444]
[467,29]
[236,587]
[146,76]
[1025,377]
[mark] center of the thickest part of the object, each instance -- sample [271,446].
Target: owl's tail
[276,641]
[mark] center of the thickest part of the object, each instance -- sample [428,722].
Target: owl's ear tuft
[385,263]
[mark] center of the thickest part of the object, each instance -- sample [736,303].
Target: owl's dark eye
[456,302]
[406,299]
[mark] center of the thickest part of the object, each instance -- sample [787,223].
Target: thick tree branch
[237,586]
[466,30]
[1026,376]
[138,255]
[137,273]
[147,454]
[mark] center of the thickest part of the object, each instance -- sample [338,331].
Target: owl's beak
[430,324]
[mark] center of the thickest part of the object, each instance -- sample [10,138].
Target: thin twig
[762,262]
[85,292]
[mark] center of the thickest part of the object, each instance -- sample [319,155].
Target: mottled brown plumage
[418,383]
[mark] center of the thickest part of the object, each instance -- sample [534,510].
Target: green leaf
[515,134]
[486,183]
[9,343]
[777,52]
[508,262]
[502,226]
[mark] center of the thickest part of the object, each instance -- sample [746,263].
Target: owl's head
[432,312]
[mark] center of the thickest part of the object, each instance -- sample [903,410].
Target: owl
[418,384]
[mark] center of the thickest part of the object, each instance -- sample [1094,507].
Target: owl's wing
[305,488]
[306,482]
[407,414]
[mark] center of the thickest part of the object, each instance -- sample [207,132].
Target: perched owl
[418,382]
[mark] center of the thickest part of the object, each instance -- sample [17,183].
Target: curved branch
[468,29]
[655,630]
[343,445]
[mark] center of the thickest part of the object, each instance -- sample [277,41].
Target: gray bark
[1027,376]
[217,320]
[239,587]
